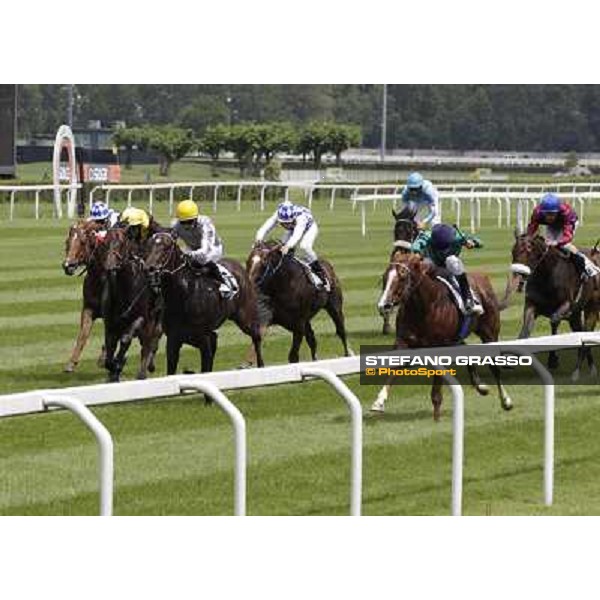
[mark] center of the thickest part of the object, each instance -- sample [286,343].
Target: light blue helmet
[285,212]
[414,181]
[99,211]
[550,204]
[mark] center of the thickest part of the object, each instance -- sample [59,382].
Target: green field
[174,456]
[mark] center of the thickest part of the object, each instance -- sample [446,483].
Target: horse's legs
[149,340]
[591,319]
[334,310]
[552,356]
[481,388]
[436,397]
[529,315]
[311,340]
[111,339]
[207,344]
[505,399]
[173,349]
[298,334]
[85,328]
[124,343]
[252,353]
[387,328]
[379,405]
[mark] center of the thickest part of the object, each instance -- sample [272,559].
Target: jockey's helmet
[550,204]
[135,216]
[442,236]
[99,211]
[285,212]
[414,181]
[187,210]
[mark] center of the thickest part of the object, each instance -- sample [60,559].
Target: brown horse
[428,317]
[129,307]
[554,290]
[193,306]
[80,251]
[293,300]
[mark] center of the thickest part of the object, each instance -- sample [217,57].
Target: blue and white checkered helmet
[99,211]
[285,212]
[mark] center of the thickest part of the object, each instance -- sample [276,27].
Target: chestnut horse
[80,251]
[428,317]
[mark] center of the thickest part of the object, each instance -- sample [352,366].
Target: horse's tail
[511,286]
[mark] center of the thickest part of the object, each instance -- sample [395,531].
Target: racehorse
[193,306]
[293,298]
[405,233]
[80,251]
[428,317]
[129,307]
[554,290]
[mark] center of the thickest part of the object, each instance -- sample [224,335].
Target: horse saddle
[450,282]
[312,277]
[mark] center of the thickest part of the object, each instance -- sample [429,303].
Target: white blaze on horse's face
[385,303]
[254,263]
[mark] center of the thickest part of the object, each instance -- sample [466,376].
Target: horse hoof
[437,413]
[152,368]
[575,376]
[141,375]
[553,363]
[386,330]
[483,389]
[594,372]
[69,368]
[377,408]
[246,365]
[189,372]
[507,404]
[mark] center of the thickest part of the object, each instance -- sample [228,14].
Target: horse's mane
[406,212]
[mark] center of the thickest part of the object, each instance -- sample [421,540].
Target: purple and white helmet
[99,211]
[285,212]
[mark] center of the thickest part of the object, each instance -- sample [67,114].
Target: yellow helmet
[187,210]
[135,216]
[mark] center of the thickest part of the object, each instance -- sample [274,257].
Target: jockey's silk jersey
[303,220]
[428,200]
[422,245]
[564,225]
[203,237]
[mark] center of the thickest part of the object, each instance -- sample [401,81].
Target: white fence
[457,194]
[36,190]
[213,384]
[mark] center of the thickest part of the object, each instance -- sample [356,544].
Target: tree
[273,138]
[314,139]
[214,141]
[171,143]
[244,142]
[127,137]
[342,137]
[204,111]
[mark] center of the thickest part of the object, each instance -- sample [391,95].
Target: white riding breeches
[455,266]
[306,242]
[214,254]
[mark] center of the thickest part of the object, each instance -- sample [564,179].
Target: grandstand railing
[214,384]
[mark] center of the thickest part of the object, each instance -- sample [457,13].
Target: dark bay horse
[405,233]
[193,306]
[553,289]
[293,299]
[80,252]
[129,307]
[427,317]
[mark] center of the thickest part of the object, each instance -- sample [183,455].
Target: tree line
[254,145]
[501,117]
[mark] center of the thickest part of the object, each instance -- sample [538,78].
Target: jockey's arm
[471,241]
[209,236]
[299,229]
[266,228]
[567,234]
[419,246]
[534,224]
[432,201]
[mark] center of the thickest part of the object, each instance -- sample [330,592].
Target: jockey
[420,195]
[561,222]
[442,246]
[103,216]
[301,230]
[198,239]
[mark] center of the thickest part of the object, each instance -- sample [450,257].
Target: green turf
[174,456]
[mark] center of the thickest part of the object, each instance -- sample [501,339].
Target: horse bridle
[410,288]
[269,270]
[540,260]
[90,242]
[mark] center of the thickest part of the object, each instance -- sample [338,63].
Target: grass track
[174,456]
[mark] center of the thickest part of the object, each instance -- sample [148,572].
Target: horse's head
[115,250]
[263,258]
[161,254]
[80,245]
[405,227]
[399,280]
[527,253]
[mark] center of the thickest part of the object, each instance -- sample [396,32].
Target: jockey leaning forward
[442,246]
[104,217]
[561,222]
[421,196]
[301,231]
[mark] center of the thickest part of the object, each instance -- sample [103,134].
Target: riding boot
[213,271]
[471,306]
[585,267]
[317,268]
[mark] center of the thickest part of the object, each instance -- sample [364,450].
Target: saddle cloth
[452,286]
